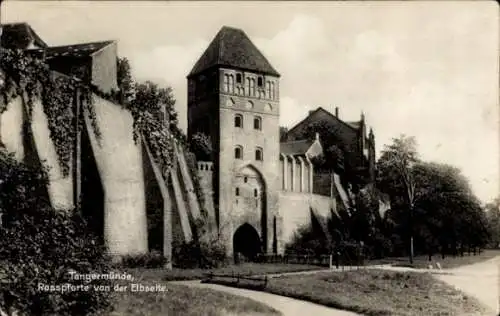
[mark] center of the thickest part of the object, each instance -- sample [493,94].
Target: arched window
[237,191]
[238,78]
[268,87]
[258,154]
[231,84]
[226,83]
[238,152]
[273,92]
[255,192]
[260,82]
[257,123]
[238,120]
[249,105]
[252,87]
[249,85]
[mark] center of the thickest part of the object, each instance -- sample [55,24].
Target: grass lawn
[185,301]
[182,300]
[448,262]
[374,292]
[243,269]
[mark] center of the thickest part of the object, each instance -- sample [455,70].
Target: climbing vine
[28,77]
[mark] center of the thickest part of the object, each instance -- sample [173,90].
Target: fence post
[331,262]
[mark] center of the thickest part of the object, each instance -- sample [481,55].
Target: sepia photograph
[249,158]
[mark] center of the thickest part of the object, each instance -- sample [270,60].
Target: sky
[424,69]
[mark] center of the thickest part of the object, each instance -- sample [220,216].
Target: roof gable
[231,47]
[352,125]
[19,35]
[76,50]
[296,147]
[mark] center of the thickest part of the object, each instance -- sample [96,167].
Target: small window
[258,154]
[238,120]
[245,179]
[237,192]
[257,123]
[238,78]
[255,192]
[260,82]
[238,152]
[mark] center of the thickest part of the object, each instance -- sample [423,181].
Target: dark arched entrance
[246,243]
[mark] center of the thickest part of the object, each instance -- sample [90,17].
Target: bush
[203,254]
[152,259]
[201,146]
[40,245]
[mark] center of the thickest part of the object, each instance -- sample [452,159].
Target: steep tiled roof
[231,47]
[352,125]
[77,50]
[19,35]
[355,125]
[296,147]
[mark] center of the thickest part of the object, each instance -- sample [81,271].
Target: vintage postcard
[245,158]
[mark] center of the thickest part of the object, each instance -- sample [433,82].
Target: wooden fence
[235,279]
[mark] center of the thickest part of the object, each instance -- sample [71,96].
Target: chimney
[337,111]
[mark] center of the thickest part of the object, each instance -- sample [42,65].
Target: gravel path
[479,280]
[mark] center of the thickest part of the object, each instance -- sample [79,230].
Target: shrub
[152,259]
[203,254]
[201,146]
[40,245]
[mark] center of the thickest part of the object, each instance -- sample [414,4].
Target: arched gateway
[246,242]
[249,213]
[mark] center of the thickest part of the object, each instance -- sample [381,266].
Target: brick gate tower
[233,97]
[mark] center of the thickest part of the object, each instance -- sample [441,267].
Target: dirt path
[287,306]
[479,280]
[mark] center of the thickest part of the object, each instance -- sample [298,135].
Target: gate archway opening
[246,243]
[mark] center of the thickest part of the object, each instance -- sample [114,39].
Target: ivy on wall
[28,77]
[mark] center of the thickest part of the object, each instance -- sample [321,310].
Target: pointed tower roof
[231,47]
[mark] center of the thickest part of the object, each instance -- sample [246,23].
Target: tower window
[260,82]
[238,152]
[226,82]
[238,78]
[245,179]
[238,120]
[237,192]
[258,154]
[257,123]
[255,192]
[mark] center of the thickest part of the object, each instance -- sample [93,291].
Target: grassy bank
[178,299]
[374,292]
[422,262]
[185,301]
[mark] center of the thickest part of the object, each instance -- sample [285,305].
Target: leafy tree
[493,217]
[40,245]
[201,146]
[283,132]
[125,81]
[396,176]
